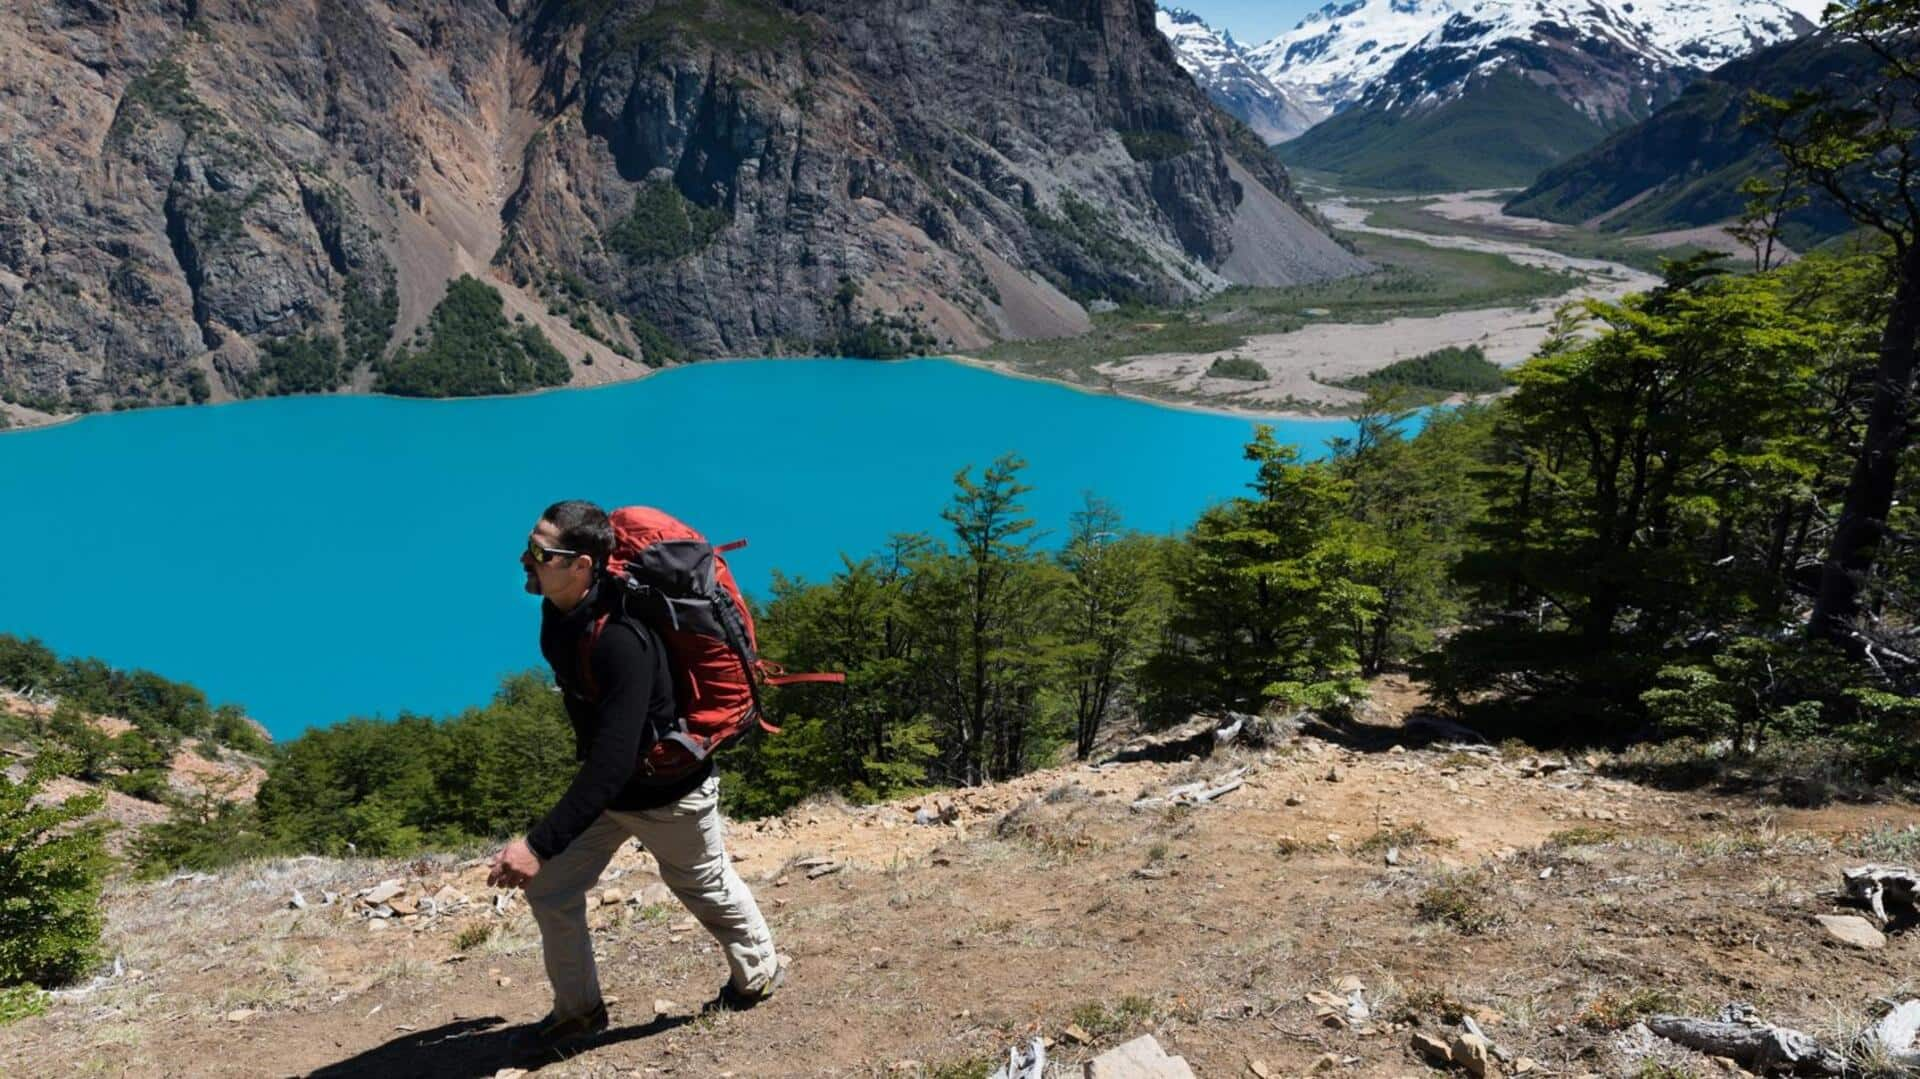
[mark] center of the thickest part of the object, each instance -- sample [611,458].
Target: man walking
[619,697]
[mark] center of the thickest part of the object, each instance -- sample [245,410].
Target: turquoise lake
[317,558]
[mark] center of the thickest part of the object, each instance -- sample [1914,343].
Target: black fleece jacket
[615,720]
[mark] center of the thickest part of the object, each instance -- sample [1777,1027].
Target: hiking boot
[553,1033]
[732,999]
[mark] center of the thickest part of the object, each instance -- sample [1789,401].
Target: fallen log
[1754,1044]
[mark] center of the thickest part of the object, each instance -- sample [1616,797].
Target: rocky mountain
[1682,167]
[1220,65]
[209,198]
[1501,89]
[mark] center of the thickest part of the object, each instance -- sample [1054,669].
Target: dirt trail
[1546,900]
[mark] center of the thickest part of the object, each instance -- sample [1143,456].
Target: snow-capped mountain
[1597,59]
[1328,60]
[1219,65]
[1708,33]
[1333,58]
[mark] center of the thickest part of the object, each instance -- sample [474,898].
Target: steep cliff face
[191,193]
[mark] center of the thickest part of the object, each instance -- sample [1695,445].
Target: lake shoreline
[26,420]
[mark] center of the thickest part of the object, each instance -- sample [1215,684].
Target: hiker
[613,669]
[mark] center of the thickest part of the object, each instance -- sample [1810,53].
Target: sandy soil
[1553,905]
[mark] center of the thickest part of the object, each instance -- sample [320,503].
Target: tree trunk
[1863,513]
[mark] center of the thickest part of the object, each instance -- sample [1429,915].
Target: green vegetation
[472,349]
[304,364]
[1154,145]
[664,225]
[223,217]
[1500,134]
[163,90]
[384,788]
[736,25]
[52,863]
[369,307]
[1237,367]
[1101,1021]
[656,348]
[1459,900]
[21,1002]
[1438,373]
[204,831]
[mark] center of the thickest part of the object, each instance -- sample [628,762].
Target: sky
[1252,21]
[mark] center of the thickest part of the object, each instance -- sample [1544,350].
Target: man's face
[559,575]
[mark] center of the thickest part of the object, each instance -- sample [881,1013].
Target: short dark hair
[584,527]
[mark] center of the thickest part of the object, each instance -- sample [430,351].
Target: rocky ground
[1321,917]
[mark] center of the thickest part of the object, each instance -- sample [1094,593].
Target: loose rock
[1852,929]
[1474,1053]
[1141,1058]
[1432,1049]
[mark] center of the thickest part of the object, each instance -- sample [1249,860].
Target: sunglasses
[544,555]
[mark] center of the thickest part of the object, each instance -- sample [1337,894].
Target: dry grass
[1461,900]
[1615,1010]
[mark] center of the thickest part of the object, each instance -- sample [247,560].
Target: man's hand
[514,866]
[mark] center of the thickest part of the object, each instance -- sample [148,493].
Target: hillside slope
[1549,899]
[1682,167]
[191,187]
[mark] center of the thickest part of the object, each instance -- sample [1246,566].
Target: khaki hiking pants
[686,839]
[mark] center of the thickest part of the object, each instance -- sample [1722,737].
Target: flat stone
[239,1015]
[1852,929]
[383,891]
[1432,1049]
[1141,1058]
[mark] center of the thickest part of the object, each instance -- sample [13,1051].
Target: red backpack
[671,578]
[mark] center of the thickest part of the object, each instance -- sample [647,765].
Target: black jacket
[615,720]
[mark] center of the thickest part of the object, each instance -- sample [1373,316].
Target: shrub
[52,862]
[300,365]
[1444,371]
[21,1001]
[1458,900]
[204,832]
[1154,145]
[472,349]
[1752,689]
[664,225]
[1237,367]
